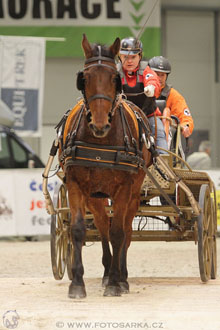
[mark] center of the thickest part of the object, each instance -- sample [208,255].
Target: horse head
[100,84]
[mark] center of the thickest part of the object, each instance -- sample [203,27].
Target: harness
[91,62]
[127,157]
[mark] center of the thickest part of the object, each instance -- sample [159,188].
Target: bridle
[97,61]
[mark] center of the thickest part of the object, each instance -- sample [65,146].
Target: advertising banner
[22,205]
[7,206]
[101,20]
[215,176]
[22,63]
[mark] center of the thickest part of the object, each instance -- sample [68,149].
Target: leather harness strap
[132,114]
[125,157]
[72,113]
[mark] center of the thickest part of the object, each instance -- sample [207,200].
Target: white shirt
[199,160]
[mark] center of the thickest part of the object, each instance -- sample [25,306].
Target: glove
[185,131]
[149,90]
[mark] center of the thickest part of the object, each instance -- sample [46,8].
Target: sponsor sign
[215,176]
[22,207]
[7,206]
[22,81]
[101,20]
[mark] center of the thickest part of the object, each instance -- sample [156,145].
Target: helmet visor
[127,51]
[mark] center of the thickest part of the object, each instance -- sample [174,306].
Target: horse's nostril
[99,132]
[92,127]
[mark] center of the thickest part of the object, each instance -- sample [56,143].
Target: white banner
[22,204]
[80,13]
[22,63]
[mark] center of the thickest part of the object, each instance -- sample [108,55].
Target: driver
[143,83]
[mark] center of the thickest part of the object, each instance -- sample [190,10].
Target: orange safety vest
[178,106]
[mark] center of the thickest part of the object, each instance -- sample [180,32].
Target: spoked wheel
[206,235]
[214,246]
[59,232]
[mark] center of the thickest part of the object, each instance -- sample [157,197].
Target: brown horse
[102,156]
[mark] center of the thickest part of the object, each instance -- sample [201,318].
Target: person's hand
[185,131]
[149,90]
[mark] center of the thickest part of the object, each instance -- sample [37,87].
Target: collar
[131,73]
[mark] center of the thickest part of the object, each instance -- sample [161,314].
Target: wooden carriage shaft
[182,185]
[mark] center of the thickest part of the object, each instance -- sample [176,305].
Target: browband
[99,58]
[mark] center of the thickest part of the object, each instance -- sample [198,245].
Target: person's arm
[151,83]
[179,108]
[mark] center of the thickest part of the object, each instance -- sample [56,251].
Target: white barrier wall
[22,204]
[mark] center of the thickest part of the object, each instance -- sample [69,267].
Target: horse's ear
[86,47]
[114,48]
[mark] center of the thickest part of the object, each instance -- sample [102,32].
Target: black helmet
[131,46]
[160,63]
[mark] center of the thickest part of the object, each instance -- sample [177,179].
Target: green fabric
[72,46]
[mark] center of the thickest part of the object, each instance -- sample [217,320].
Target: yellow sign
[218,206]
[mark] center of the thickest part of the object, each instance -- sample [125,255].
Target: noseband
[80,81]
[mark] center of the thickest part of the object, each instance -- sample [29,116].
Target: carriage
[175,204]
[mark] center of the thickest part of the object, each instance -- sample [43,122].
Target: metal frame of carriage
[193,219]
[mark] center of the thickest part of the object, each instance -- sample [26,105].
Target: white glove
[149,90]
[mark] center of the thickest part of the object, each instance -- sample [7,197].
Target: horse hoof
[76,291]
[124,287]
[105,281]
[112,291]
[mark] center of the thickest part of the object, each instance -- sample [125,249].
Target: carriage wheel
[206,234]
[59,232]
[214,247]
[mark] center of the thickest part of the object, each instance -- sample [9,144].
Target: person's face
[130,62]
[163,77]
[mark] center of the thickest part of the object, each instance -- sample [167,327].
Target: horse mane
[105,51]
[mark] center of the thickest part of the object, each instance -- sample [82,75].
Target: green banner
[71,47]
[101,20]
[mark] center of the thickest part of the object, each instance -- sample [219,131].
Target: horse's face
[100,83]
[100,86]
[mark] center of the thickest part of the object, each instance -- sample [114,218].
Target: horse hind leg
[78,232]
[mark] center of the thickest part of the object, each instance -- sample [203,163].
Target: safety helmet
[131,46]
[160,64]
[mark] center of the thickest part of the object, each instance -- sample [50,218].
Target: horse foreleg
[117,238]
[131,212]
[77,232]
[124,272]
[77,286]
